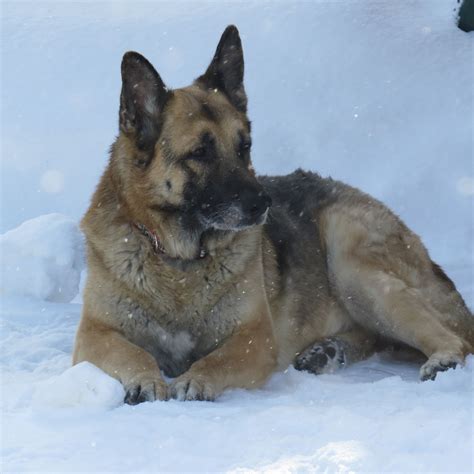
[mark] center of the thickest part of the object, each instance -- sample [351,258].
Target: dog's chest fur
[177,314]
[176,338]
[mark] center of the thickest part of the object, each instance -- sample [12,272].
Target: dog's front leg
[135,368]
[245,360]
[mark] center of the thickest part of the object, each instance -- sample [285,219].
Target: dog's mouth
[231,218]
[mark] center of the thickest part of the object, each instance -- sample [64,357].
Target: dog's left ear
[226,71]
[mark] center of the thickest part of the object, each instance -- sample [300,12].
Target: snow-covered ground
[377,93]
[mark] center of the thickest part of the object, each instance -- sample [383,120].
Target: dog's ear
[226,71]
[142,100]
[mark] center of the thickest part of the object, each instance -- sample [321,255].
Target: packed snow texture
[376,93]
[83,385]
[43,258]
[374,416]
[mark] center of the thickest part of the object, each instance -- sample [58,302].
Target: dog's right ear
[142,100]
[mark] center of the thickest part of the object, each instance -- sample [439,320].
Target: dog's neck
[114,240]
[157,244]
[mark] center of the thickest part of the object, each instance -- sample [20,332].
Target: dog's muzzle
[235,216]
[255,208]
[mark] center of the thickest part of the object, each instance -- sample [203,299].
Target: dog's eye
[198,152]
[244,148]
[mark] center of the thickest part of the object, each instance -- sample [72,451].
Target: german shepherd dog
[203,271]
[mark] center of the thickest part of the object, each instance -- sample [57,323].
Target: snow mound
[83,385]
[43,258]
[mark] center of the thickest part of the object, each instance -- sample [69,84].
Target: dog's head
[186,152]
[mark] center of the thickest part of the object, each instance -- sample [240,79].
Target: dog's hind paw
[323,357]
[438,362]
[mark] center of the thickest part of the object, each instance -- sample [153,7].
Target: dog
[204,272]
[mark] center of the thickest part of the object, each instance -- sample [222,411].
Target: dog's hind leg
[385,279]
[335,352]
[403,313]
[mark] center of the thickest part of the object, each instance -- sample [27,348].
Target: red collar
[152,237]
[158,247]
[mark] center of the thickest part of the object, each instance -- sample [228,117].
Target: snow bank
[42,258]
[372,417]
[83,385]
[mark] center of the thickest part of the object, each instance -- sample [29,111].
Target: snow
[465,185]
[43,258]
[52,181]
[376,93]
[83,385]
[374,416]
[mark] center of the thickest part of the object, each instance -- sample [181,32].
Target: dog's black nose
[254,204]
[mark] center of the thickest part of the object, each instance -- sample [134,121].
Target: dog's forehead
[193,111]
[206,103]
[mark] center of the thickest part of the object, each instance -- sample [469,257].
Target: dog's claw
[187,388]
[145,389]
[438,363]
[131,397]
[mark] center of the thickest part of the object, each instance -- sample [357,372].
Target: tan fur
[375,259]
[355,274]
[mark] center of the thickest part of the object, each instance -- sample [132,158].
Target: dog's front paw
[192,387]
[145,387]
[439,362]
